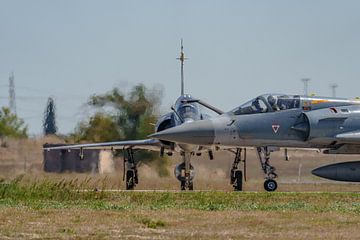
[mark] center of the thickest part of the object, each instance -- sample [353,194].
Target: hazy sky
[70,49]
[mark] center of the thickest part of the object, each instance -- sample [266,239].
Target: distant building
[60,161]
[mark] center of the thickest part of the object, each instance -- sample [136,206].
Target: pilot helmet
[271,100]
[256,103]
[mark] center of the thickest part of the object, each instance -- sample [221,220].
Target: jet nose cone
[198,133]
[344,171]
[328,172]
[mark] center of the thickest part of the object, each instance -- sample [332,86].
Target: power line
[63,98]
[45,91]
[37,90]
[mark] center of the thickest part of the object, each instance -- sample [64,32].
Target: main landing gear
[130,169]
[236,175]
[270,184]
[184,172]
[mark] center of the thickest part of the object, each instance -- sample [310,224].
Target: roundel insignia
[275,127]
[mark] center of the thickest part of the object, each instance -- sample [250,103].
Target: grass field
[58,210]
[38,205]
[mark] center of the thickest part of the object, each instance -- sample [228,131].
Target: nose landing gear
[185,172]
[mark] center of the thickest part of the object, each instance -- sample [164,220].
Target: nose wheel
[185,172]
[187,185]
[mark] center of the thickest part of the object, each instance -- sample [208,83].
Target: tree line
[118,116]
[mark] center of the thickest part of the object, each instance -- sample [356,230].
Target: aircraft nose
[328,172]
[198,133]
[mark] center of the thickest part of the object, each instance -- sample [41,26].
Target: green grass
[150,223]
[46,194]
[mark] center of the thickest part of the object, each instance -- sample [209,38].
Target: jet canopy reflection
[268,103]
[187,110]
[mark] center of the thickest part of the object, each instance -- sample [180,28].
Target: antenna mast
[306,83]
[12,104]
[182,59]
[333,89]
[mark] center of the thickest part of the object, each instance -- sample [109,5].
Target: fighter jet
[186,109]
[273,121]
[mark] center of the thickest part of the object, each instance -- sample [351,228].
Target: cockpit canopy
[187,110]
[268,103]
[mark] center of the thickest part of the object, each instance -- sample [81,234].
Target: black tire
[238,180]
[191,186]
[130,180]
[182,186]
[232,176]
[136,178]
[270,185]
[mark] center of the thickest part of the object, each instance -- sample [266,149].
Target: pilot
[272,102]
[283,103]
[256,106]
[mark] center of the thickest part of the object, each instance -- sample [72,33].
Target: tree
[11,125]
[49,123]
[100,128]
[132,116]
[133,113]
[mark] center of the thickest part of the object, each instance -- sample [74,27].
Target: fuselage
[299,122]
[276,120]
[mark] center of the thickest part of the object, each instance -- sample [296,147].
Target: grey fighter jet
[271,121]
[186,109]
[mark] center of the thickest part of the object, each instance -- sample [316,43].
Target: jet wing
[147,144]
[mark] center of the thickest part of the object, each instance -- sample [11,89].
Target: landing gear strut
[185,173]
[130,169]
[236,175]
[187,184]
[270,184]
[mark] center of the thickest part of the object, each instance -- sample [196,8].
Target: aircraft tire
[270,185]
[191,186]
[182,186]
[238,180]
[136,177]
[130,180]
[232,176]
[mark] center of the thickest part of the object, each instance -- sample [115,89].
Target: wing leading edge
[147,144]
